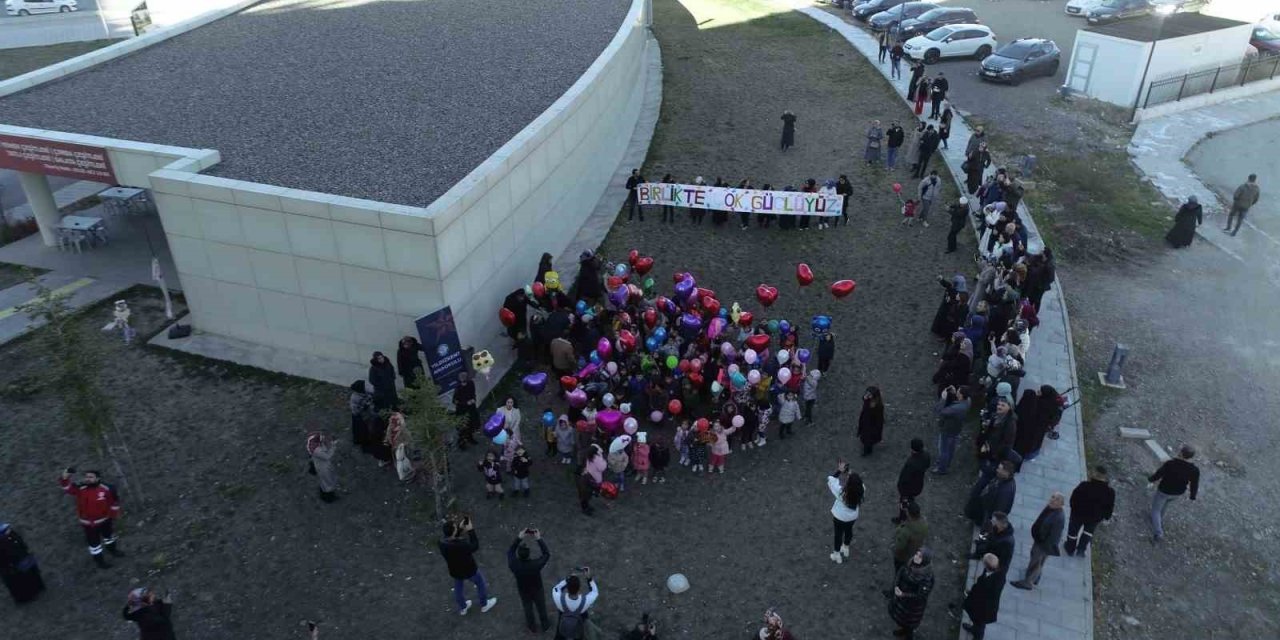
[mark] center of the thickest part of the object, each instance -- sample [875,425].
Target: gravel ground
[233,523]
[391,101]
[1202,369]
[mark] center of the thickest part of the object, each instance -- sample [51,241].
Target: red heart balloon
[626,341]
[842,288]
[745,318]
[643,265]
[766,294]
[632,256]
[710,306]
[539,289]
[804,275]
[706,293]
[507,317]
[650,318]
[758,342]
[613,282]
[568,383]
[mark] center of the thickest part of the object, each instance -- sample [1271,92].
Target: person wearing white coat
[847,489]
[511,424]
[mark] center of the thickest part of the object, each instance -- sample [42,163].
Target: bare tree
[432,425]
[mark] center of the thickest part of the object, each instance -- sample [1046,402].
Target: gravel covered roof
[391,100]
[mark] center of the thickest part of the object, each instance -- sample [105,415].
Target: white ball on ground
[677,583]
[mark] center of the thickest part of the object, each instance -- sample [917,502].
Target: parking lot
[1023,109]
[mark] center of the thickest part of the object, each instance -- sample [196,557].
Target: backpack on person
[572,625]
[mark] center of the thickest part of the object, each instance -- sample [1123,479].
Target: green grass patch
[15,62]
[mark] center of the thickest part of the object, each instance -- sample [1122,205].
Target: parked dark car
[940,17]
[1266,41]
[1112,10]
[1021,59]
[890,18]
[865,10]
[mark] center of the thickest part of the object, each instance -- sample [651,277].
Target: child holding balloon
[640,461]
[720,445]
[492,471]
[788,413]
[764,412]
[700,443]
[684,442]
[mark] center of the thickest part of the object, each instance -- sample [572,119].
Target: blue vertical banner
[439,337]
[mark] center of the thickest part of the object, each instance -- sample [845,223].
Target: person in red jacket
[97,506]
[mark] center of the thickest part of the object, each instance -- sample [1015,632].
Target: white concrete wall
[341,277]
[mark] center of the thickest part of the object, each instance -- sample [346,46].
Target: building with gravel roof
[327,171]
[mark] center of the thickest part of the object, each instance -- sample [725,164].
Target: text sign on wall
[56,159]
[787,203]
[439,338]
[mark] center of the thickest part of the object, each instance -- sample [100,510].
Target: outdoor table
[122,199]
[75,229]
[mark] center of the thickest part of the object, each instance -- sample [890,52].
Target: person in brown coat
[1242,200]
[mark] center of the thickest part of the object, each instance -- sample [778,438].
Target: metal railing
[1210,80]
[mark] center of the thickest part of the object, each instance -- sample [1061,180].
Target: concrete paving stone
[1158,451]
[999,631]
[1020,622]
[1051,631]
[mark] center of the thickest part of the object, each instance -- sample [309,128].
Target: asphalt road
[1226,159]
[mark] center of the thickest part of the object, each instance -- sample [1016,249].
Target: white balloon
[751,356]
[753,377]
[677,583]
[783,356]
[608,400]
[784,375]
[733,368]
[612,368]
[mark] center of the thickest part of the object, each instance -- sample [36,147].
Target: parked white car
[1078,8]
[32,7]
[952,41]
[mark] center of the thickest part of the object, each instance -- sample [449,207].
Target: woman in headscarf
[875,136]
[544,265]
[1038,412]
[911,589]
[788,130]
[1189,216]
[871,420]
[362,414]
[321,448]
[588,286]
[956,364]
[511,413]
[826,351]
[400,440]
[943,320]
[913,145]
[382,374]
[408,362]
[151,613]
[18,568]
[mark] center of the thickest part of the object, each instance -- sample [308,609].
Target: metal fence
[1210,80]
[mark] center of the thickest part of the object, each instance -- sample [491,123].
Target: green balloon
[648,285]
[646,363]
[773,326]
[672,362]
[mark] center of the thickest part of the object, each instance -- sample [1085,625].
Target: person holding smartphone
[458,547]
[528,573]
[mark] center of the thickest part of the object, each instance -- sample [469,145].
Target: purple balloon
[685,288]
[535,383]
[803,356]
[784,326]
[619,296]
[577,398]
[714,327]
[494,426]
[610,420]
[586,371]
[690,324]
[604,348]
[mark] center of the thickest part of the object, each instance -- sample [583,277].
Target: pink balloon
[726,349]
[784,376]
[610,420]
[733,368]
[656,416]
[738,421]
[577,398]
[630,426]
[750,356]
[604,348]
[753,376]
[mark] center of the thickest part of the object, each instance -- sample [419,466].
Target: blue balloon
[784,326]
[621,269]
[581,307]
[820,324]
[661,334]
[724,313]
[548,419]
[652,343]
[595,357]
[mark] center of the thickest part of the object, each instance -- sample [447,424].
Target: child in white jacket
[788,413]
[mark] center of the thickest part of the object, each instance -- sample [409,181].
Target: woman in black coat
[1189,216]
[588,286]
[975,164]
[382,375]
[871,420]
[544,265]
[408,362]
[1031,428]
[911,591]
[18,568]
[826,351]
[151,614]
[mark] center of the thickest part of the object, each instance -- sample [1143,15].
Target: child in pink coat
[640,459]
[720,448]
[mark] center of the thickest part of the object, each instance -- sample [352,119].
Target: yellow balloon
[552,280]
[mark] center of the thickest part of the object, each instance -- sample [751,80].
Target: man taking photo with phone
[528,573]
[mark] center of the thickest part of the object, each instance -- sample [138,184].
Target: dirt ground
[231,522]
[15,62]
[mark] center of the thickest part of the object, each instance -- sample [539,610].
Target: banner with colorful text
[786,203]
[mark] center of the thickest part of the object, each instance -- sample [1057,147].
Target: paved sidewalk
[1160,145]
[1062,607]
[79,291]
